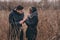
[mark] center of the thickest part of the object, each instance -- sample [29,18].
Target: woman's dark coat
[32,22]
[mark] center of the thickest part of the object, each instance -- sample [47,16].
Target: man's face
[20,11]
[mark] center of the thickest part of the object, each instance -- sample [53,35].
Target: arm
[24,19]
[33,21]
[12,21]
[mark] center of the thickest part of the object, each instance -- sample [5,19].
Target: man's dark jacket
[15,18]
[14,29]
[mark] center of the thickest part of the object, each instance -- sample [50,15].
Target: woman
[32,22]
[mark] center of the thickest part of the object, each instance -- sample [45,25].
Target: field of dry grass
[48,26]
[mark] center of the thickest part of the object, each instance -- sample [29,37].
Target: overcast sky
[22,0]
[28,0]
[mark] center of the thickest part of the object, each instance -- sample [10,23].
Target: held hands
[21,22]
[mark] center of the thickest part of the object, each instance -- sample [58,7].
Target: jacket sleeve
[12,21]
[33,21]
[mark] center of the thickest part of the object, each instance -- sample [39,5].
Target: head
[20,9]
[32,9]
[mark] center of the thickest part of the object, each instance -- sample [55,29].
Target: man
[16,26]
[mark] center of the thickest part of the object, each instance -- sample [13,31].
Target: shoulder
[35,18]
[12,13]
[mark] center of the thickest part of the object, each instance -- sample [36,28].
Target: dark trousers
[15,33]
[31,33]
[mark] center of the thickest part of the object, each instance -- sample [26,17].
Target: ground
[48,26]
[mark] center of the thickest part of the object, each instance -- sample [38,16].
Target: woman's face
[30,11]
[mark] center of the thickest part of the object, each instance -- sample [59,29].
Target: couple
[16,19]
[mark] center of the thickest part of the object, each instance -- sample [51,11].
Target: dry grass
[48,26]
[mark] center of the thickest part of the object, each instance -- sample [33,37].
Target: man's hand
[21,22]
